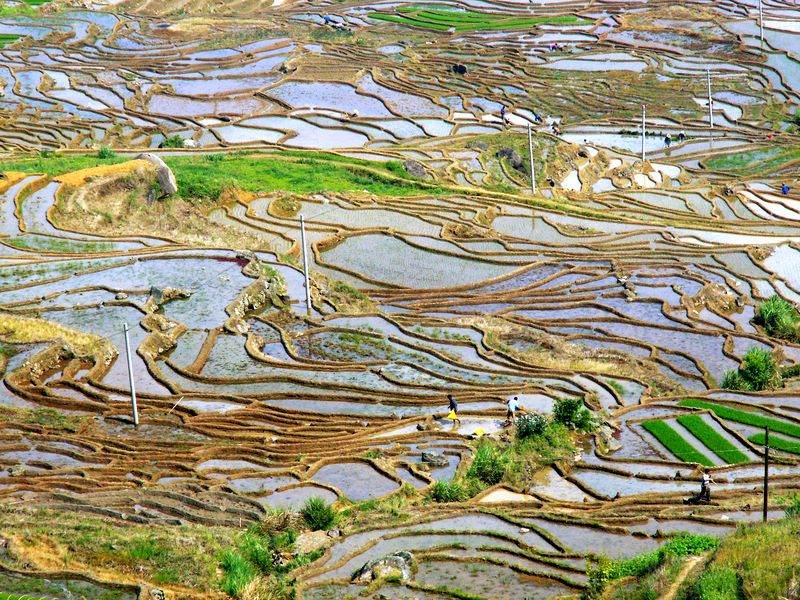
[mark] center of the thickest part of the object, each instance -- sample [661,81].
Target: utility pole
[530,156]
[643,126]
[130,376]
[761,21]
[305,265]
[710,101]
[766,473]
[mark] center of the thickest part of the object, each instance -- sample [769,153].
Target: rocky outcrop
[166,178]
[434,459]
[160,296]
[259,295]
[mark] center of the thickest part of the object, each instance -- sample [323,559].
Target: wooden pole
[530,156]
[134,408]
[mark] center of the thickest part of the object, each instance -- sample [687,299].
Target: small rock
[524,530]
[121,296]
[156,594]
[334,533]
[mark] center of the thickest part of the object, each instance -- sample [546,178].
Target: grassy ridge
[206,177]
[785,445]
[712,440]
[675,443]
[744,417]
[756,561]
[443,19]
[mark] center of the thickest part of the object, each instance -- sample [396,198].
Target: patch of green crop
[675,443]
[712,440]
[762,160]
[7,38]
[778,443]
[437,19]
[745,417]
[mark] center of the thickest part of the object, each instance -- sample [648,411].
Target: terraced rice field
[399,133]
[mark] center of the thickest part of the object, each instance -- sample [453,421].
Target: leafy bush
[572,413]
[317,514]
[173,141]
[489,463]
[530,426]
[779,318]
[105,153]
[717,583]
[757,371]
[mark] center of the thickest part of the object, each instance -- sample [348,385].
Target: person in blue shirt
[785,189]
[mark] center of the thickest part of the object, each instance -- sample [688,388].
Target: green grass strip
[745,417]
[675,443]
[712,439]
[442,19]
[775,442]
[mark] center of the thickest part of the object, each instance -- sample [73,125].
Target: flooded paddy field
[387,151]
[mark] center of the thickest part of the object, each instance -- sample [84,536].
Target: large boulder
[399,564]
[166,178]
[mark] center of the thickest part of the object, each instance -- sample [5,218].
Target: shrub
[572,413]
[106,153]
[779,318]
[488,464]
[455,491]
[173,141]
[758,369]
[733,381]
[447,491]
[530,426]
[318,515]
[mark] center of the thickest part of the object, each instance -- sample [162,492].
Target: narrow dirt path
[687,568]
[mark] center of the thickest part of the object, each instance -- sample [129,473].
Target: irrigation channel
[630,285]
